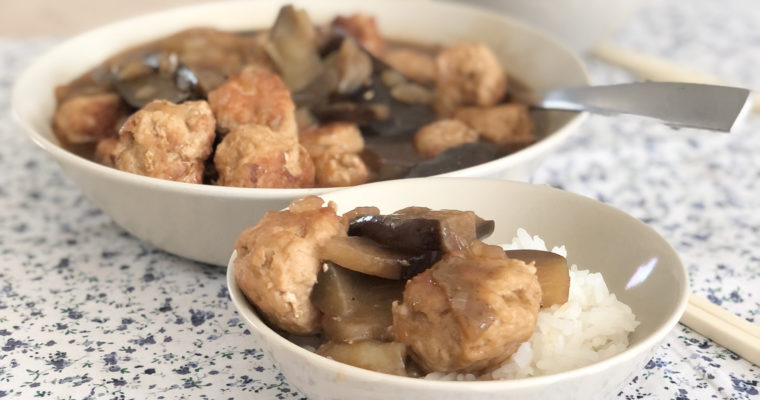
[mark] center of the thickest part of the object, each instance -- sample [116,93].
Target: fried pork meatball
[335,150]
[435,137]
[363,28]
[167,141]
[278,261]
[503,124]
[104,151]
[256,96]
[469,312]
[468,74]
[337,137]
[414,65]
[255,156]
[88,118]
[340,169]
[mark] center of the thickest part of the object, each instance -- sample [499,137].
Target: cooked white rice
[592,326]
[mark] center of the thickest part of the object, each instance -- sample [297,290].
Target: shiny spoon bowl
[677,104]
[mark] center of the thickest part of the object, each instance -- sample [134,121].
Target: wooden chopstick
[723,327]
[656,69]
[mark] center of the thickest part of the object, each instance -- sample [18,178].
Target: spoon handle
[673,103]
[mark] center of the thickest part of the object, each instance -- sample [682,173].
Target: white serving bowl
[597,237]
[201,222]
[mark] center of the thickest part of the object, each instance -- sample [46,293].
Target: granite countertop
[88,311]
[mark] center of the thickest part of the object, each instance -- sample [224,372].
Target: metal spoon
[673,103]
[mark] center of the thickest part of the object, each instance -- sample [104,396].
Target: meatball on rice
[278,261]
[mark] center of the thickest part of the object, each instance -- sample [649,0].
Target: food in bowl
[417,293]
[294,106]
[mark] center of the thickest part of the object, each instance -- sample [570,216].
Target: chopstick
[656,69]
[723,327]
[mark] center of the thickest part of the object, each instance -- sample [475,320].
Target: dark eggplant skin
[415,235]
[420,263]
[175,85]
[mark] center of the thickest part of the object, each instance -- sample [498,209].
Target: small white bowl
[200,222]
[597,237]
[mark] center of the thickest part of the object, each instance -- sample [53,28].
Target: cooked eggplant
[363,255]
[294,49]
[552,274]
[159,76]
[355,306]
[376,356]
[419,229]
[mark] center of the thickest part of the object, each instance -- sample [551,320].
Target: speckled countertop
[88,311]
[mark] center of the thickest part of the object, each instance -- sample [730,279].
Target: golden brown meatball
[104,151]
[255,156]
[364,29]
[335,150]
[337,137]
[435,137]
[469,312]
[340,169]
[256,96]
[415,65]
[278,261]
[468,74]
[166,140]
[88,118]
[503,124]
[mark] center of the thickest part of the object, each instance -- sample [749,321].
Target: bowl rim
[38,66]
[243,307]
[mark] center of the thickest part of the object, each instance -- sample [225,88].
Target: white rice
[592,326]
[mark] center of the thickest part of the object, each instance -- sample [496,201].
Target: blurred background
[64,18]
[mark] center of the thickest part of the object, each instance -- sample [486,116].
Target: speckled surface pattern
[87,311]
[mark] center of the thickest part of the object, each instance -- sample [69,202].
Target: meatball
[255,156]
[435,137]
[167,141]
[335,150]
[104,151]
[468,74]
[364,29]
[337,137]
[278,261]
[88,118]
[504,124]
[415,65]
[340,169]
[469,312]
[256,96]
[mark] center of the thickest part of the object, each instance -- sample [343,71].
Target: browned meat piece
[364,29]
[469,312]
[255,97]
[88,118]
[415,65]
[255,156]
[278,261]
[167,141]
[468,74]
[435,137]
[504,124]
[334,149]
[340,169]
[104,151]
[338,137]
